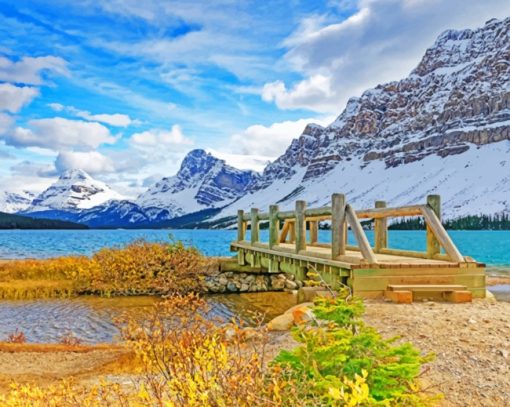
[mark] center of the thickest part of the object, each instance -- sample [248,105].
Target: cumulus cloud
[271,141]
[13,98]
[92,162]
[116,119]
[383,41]
[58,133]
[160,138]
[29,70]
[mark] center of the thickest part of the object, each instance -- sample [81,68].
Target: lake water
[91,318]
[490,247]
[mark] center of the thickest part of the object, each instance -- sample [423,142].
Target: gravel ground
[471,342]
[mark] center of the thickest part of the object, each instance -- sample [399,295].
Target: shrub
[339,353]
[137,268]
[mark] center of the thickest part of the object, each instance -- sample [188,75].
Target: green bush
[338,346]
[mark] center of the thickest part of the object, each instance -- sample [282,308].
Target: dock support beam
[254,234]
[240,225]
[380,230]
[300,226]
[338,229]
[274,226]
[433,247]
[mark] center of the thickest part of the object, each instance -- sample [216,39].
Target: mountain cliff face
[202,182]
[74,190]
[445,128]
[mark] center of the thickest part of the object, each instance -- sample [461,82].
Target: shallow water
[91,318]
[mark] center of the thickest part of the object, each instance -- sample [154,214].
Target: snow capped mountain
[74,190]
[11,202]
[445,129]
[202,182]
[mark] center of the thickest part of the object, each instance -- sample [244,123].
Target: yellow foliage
[138,268]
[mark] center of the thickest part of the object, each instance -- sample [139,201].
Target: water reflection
[91,318]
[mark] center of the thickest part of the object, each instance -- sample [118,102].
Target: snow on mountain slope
[475,182]
[74,190]
[445,129]
[11,202]
[203,181]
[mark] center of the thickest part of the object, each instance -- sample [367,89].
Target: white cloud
[383,41]
[159,138]
[13,98]
[92,162]
[271,141]
[116,119]
[28,70]
[6,121]
[242,161]
[58,133]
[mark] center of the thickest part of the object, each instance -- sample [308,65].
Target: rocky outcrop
[456,97]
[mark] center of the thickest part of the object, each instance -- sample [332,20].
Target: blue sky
[124,88]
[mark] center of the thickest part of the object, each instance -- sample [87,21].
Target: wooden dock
[294,247]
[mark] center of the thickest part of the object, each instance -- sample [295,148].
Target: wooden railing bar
[286,215]
[377,213]
[359,233]
[323,211]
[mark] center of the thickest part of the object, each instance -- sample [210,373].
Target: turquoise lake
[490,247]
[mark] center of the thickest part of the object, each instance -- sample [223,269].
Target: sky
[123,89]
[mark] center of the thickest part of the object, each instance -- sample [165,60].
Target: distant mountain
[202,182]
[444,129]
[11,202]
[10,221]
[75,190]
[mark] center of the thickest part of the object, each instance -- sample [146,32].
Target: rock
[244,287]
[304,304]
[291,285]
[281,323]
[489,297]
[231,287]
[302,315]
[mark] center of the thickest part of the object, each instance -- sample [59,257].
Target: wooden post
[433,247]
[254,234]
[314,231]
[300,226]
[240,225]
[380,230]
[274,226]
[337,225]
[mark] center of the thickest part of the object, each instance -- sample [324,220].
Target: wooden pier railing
[290,227]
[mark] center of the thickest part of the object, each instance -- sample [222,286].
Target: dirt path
[471,343]
[43,364]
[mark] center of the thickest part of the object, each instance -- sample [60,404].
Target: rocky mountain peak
[74,190]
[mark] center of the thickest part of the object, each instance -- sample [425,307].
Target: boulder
[302,315]
[281,323]
[306,294]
